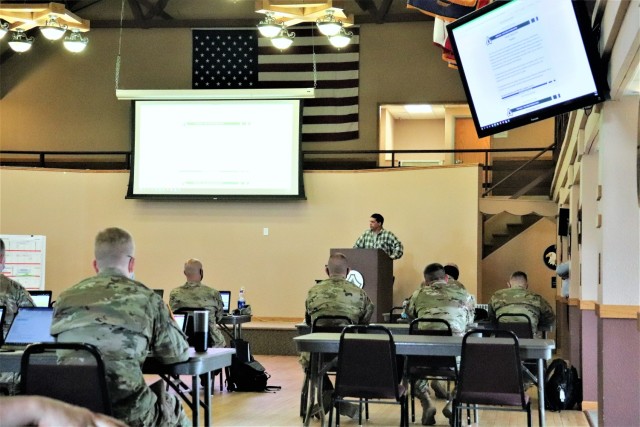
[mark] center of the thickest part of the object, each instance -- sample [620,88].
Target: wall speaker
[563,222]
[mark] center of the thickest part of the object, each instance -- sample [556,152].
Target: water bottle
[241,302]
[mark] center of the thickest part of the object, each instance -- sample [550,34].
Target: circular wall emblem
[356,278]
[549,257]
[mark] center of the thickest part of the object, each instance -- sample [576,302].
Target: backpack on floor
[562,386]
[246,373]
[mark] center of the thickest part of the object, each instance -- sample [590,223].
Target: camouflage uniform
[522,301]
[385,240]
[12,296]
[195,294]
[128,322]
[336,297]
[441,300]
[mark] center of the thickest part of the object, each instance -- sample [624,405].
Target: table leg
[542,421]
[313,385]
[195,399]
[207,399]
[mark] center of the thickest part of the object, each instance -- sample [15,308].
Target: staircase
[533,180]
[502,227]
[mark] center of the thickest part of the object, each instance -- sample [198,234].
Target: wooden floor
[282,407]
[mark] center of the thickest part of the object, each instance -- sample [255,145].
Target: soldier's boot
[446,411]
[439,389]
[428,412]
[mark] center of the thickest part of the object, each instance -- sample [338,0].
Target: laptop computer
[30,325]
[2,310]
[226,301]
[41,298]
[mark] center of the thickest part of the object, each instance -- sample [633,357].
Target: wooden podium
[377,270]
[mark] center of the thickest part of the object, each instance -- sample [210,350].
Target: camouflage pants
[9,384]
[169,410]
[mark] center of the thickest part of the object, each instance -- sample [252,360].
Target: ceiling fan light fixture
[4,29]
[269,27]
[328,24]
[284,39]
[53,30]
[341,39]
[20,42]
[75,42]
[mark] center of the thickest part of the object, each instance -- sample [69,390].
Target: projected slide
[217,147]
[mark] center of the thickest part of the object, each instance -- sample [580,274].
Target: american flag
[242,59]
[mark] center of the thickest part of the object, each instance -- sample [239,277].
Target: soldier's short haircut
[518,278]
[379,218]
[337,264]
[433,272]
[192,266]
[112,245]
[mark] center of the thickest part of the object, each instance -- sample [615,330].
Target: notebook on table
[30,325]
[41,298]
[226,301]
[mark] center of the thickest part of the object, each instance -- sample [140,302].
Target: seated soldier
[437,299]
[128,322]
[194,294]
[518,299]
[336,296]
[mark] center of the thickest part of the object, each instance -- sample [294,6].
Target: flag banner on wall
[242,59]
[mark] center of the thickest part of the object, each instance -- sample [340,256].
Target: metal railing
[104,159]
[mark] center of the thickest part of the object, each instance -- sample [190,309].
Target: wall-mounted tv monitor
[216,149]
[522,61]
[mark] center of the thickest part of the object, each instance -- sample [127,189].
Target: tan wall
[523,253]
[398,64]
[539,134]
[277,270]
[419,135]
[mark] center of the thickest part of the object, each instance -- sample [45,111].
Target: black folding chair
[70,372]
[490,375]
[325,323]
[430,367]
[367,369]
[520,324]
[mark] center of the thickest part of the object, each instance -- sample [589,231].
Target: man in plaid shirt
[379,238]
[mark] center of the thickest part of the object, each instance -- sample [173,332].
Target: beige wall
[398,63]
[539,134]
[522,253]
[419,135]
[277,270]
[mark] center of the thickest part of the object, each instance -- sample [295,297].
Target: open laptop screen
[1,324]
[41,298]
[226,300]
[31,324]
[180,320]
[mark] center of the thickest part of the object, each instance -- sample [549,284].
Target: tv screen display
[522,61]
[216,149]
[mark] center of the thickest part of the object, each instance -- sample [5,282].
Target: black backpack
[562,386]
[246,373]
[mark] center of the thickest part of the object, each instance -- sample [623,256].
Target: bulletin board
[25,259]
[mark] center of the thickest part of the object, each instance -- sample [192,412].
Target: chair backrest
[359,356]
[490,369]
[480,314]
[70,372]
[395,314]
[330,323]
[444,329]
[518,323]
